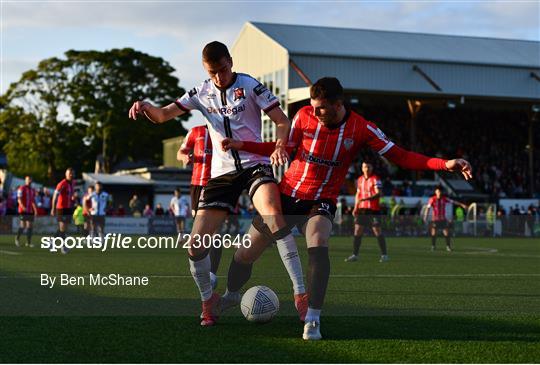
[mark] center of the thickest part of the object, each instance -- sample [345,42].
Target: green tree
[68,111]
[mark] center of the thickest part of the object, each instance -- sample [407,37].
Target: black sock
[382,244]
[433,240]
[215,258]
[356,244]
[238,276]
[29,235]
[19,232]
[318,275]
[447,240]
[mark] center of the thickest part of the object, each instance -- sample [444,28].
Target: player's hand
[231,144]
[138,107]
[52,212]
[355,212]
[279,157]
[460,165]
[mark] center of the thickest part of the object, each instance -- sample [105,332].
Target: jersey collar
[233,80]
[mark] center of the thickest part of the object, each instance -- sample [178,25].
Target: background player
[232,104]
[62,204]
[179,206]
[328,136]
[100,200]
[197,150]
[87,206]
[437,204]
[367,210]
[27,210]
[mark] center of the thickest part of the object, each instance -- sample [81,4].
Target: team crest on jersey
[348,143]
[239,93]
[192,92]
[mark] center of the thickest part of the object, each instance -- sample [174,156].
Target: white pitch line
[10,252]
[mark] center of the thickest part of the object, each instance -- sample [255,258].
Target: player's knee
[317,240]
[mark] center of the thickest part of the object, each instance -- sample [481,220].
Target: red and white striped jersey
[26,195]
[198,140]
[64,189]
[438,207]
[324,154]
[366,187]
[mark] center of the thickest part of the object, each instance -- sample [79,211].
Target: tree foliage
[69,110]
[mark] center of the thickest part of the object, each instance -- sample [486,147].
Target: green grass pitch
[480,303]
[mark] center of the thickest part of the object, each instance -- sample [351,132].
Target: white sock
[289,255]
[200,270]
[313,315]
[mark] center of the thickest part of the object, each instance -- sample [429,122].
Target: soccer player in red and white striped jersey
[62,204]
[327,136]
[26,199]
[437,204]
[197,150]
[366,211]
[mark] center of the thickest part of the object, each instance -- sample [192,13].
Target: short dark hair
[438,187]
[214,51]
[327,88]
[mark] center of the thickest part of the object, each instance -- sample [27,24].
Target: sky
[177,30]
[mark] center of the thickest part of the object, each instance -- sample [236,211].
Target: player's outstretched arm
[260,148]
[283,125]
[416,161]
[154,114]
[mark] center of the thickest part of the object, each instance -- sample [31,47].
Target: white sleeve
[264,98]
[189,101]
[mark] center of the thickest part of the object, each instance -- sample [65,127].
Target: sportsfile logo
[227,110]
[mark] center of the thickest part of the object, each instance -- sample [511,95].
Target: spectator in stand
[148,211]
[120,212]
[135,206]
[159,212]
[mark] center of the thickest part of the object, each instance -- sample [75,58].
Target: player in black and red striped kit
[327,137]
[366,211]
[27,210]
[437,204]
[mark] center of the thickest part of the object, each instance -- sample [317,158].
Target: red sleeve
[430,202]
[189,141]
[414,161]
[263,148]
[60,186]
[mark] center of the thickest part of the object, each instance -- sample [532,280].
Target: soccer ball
[259,304]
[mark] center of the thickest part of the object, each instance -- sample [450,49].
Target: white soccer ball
[259,304]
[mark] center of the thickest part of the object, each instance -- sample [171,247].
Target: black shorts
[26,217]
[297,212]
[222,192]
[440,224]
[368,217]
[98,220]
[64,214]
[195,192]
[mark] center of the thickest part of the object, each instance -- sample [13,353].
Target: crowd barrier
[403,225]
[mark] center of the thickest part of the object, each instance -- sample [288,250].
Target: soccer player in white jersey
[179,206]
[232,104]
[100,201]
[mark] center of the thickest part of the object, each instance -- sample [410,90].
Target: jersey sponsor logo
[239,93]
[348,143]
[259,89]
[192,92]
[320,161]
[211,95]
[226,110]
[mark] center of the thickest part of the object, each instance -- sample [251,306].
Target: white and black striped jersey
[234,112]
